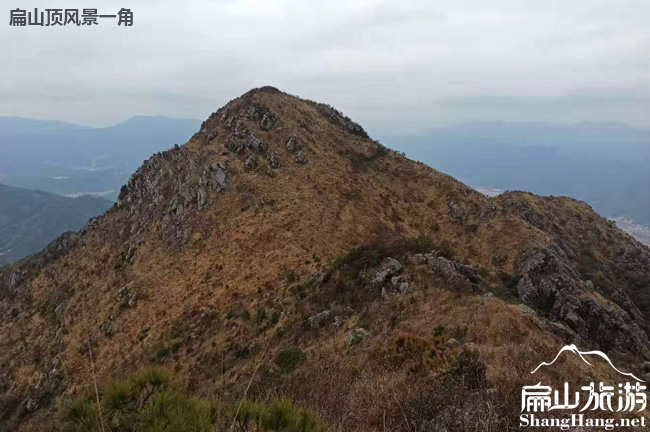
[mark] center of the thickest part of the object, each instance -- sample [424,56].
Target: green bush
[79,414]
[280,415]
[289,359]
[149,401]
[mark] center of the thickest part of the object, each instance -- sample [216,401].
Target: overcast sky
[391,65]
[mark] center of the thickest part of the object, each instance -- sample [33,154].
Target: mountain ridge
[282,221]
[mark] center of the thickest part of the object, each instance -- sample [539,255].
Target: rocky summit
[282,254]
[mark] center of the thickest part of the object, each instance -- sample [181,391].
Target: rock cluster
[387,278]
[127,297]
[292,145]
[318,320]
[336,118]
[357,336]
[274,161]
[251,161]
[269,119]
[456,211]
[301,158]
[550,282]
[462,274]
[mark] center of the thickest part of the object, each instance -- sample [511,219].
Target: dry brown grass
[298,221]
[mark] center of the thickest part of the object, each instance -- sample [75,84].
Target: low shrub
[150,401]
[289,359]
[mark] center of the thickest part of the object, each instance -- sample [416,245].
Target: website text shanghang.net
[579,420]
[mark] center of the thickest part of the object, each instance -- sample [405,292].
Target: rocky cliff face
[281,227]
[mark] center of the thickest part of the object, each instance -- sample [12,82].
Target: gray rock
[318,320]
[220,174]
[251,349]
[550,281]
[252,112]
[525,310]
[251,161]
[31,405]
[336,118]
[499,259]
[274,161]
[202,197]
[301,158]
[403,287]
[388,267]
[234,145]
[292,145]
[418,259]
[269,119]
[563,332]
[107,328]
[59,311]
[465,275]
[443,266]
[451,342]
[240,129]
[456,211]
[531,217]
[127,297]
[257,144]
[357,336]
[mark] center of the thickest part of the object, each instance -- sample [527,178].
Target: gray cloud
[398,65]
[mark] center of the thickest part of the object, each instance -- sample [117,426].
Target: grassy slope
[235,281]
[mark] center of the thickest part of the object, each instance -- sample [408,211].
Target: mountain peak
[265,103]
[281,224]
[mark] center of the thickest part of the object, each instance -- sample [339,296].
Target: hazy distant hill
[21,125]
[605,164]
[72,160]
[29,219]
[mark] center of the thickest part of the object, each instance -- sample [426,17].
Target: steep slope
[282,239]
[29,220]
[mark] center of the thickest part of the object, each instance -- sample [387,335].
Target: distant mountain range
[73,160]
[29,219]
[605,164]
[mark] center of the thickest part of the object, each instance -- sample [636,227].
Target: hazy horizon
[398,66]
[432,126]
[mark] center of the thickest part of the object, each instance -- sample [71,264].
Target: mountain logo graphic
[572,348]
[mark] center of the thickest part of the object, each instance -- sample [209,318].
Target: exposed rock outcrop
[550,283]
